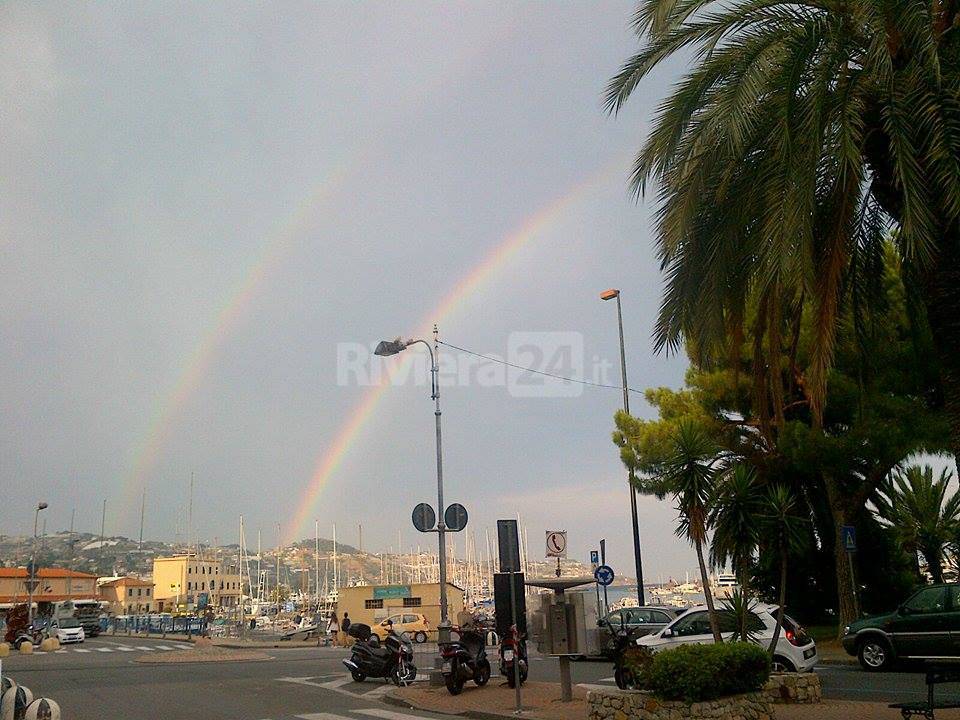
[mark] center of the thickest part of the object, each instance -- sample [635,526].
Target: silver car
[637,621]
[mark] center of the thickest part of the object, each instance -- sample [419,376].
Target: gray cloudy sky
[199,202]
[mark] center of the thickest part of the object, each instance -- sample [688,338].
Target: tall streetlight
[32,582]
[391,347]
[610,295]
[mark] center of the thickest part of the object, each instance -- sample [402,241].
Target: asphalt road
[305,683]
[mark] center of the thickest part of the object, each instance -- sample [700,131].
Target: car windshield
[69,623]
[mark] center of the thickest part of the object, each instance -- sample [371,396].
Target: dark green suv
[926,625]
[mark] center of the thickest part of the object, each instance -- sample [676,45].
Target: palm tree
[802,132]
[784,527]
[920,513]
[688,475]
[735,511]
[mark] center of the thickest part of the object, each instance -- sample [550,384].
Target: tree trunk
[783,596]
[942,296]
[934,560]
[707,594]
[847,607]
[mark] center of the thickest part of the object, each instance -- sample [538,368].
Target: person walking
[345,628]
[333,629]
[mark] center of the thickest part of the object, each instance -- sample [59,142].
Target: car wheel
[782,665]
[874,655]
[420,637]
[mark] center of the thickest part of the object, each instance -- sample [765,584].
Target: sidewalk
[495,701]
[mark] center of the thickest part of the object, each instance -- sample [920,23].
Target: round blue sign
[604,575]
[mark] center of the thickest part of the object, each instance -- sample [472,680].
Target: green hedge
[704,672]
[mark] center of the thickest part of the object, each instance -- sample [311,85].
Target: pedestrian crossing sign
[848,534]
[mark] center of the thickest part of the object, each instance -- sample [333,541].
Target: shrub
[704,672]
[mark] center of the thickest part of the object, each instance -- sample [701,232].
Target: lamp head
[609,294]
[390,347]
[42,506]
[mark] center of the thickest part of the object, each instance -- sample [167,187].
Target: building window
[130,592]
[148,592]
[411,602]
[189,586]
[139,592]
[190,571]
[373,604]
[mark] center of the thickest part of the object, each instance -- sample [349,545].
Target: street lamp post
[32,575]
[392,347]
[610,295]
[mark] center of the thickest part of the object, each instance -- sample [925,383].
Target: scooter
[513,649]
[621,643]
[465,659]
[392,659]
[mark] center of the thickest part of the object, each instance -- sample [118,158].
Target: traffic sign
[424,518]
[604,575]
[848,535]
[455,517]
[594,560]
[556,543]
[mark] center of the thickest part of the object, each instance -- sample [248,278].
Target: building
[55,585]
[128,596]
[192,582]
[371,604]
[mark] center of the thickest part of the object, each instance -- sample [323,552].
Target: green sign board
[391,592]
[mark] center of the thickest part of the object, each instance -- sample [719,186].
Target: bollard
[4,649]
[13,704]
[42,709]
[26,648]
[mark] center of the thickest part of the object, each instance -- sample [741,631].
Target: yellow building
[53,585]
[129,596]
[194,582]
[371,604]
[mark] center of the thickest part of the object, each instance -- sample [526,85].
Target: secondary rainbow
[198,363]
[499,256]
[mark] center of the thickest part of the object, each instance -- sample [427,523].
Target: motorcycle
[392,659]
[465,659]
[513,650]
[621,644]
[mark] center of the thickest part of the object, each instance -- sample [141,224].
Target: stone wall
[633,705]
[793,688]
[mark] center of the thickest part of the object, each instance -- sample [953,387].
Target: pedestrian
[333,629]
[345,627]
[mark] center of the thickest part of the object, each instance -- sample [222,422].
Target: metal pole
[444,626]
[633,493]
[516,643]
[33,568]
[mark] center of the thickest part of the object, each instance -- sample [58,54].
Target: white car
[67,630]
[795,651]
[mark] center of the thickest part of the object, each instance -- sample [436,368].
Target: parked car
[415,625]
[795,650]
[67,630]
[927,624]
[636,621]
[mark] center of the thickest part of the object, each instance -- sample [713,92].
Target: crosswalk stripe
[60,652]
[321,716]
[185,647]
[164,647]
[145,647]
[125,648]
[105,649]
[388,714]
[81,650]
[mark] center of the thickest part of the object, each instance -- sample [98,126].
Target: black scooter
[465,659]
[621,643]
[392,659]
[513,650]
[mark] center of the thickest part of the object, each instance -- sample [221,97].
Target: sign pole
[603,561]
[516,646]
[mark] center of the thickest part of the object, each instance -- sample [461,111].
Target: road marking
[388,714]
[84,650]
[145,647]
[377,692]
[104,649]
[125,648]
[60,652]
[334,684]
[164,647]
[185,647]
[321,716]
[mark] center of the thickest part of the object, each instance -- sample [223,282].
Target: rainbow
[532,227]
[198,363]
